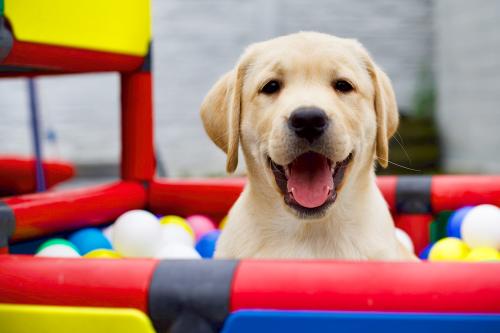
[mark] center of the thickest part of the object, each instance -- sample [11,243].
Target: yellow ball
[222,223]
[103,254]
[448,249]
[174,219]
[483,254]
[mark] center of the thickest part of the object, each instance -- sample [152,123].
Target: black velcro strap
[413,195]
[191,295]
[148,59]
[7,224]
[6,40]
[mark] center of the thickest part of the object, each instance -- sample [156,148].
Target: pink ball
[201,225]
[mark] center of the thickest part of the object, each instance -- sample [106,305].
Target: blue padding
[365,322]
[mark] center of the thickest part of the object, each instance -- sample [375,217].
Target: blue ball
[89,239]
[455,222]
[424,254]
[206,244]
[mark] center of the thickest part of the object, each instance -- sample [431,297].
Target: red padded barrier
[366,286]
[387,185]
[417,226]
[213,197]
[137,158]
[57,59]
[453,192]
[77,282]
[17,174]
[45,213]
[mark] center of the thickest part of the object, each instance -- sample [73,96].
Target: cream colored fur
[235,114]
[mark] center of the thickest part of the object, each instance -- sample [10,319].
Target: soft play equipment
[17,174]
[145,295]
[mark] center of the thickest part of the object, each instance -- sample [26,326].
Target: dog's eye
[343,86]
[271,87]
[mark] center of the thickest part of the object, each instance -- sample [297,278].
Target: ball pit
[58,247]
[201,225]
[139,234]
[103,254]
[481,227]
[455,222]
[89,239]
[473,235]
[483,254]
[405,240]
[206,244]
[136,233]
[448,249]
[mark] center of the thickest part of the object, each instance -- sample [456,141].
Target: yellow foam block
[119,26]
[53,319]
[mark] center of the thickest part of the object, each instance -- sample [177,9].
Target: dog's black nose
[308,123]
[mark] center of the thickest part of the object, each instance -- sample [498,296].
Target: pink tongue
[310,180]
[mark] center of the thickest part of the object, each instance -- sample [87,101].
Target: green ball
[57,241]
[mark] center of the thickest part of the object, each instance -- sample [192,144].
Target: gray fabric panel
[191,295]
[413,194]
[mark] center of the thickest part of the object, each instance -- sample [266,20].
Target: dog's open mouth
[310,182]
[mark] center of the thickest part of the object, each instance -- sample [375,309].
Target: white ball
[481,227]
[405,240]
[108,233]
[177,251]
[58,251]
[136,233]
[174,233]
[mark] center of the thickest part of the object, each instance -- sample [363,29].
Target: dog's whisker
[401,144]
[398,165]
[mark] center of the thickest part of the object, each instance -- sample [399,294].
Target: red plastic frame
[45,213]
[96,282]
[354,286]
[51,59]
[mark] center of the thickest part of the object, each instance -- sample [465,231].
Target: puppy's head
[309,111]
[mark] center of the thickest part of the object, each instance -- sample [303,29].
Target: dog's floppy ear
[221,111]
[386,110]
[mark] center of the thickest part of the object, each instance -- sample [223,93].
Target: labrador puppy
[312,114]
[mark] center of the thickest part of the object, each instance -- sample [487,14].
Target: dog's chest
[313,248]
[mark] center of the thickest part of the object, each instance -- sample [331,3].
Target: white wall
[196,41]
[468,76]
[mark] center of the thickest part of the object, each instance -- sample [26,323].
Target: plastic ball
[177,251]
[177,220]
[108,233]
[222,223]
[455,222]
[405,240]
[483,254]
[206,244]
[201,225]
[58,247]
[448,249]
[102,254]
[136,233]
[424,254]
[174,233]
[89,239]
[481,227]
